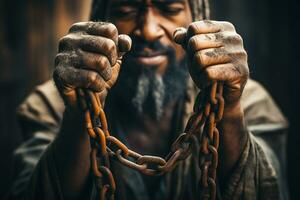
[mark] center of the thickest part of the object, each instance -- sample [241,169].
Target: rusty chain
[208,110]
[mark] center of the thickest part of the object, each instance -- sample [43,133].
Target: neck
[145,134]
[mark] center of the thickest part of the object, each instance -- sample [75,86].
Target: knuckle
[193,42]
[243,54]
[247,72]
[58,75]
[93,78]
[63,41]
[76,26]
[58,58]
[110,46]
[234,38]
[238,38]
[102,62]
[111,29]
[193,28]
[229,25]
[198,58]
[106,73]
[67,42]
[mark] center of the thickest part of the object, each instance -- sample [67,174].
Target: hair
[199,8]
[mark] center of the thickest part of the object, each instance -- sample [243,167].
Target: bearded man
[148,100]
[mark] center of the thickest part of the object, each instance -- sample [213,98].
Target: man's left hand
[216,53]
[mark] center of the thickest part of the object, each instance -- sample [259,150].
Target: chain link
[207,112]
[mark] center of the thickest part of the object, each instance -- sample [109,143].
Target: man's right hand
[89,57]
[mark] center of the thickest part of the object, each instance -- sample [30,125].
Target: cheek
[180,52]
[180,21]
[124,27]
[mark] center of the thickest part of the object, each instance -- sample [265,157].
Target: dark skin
[88,57]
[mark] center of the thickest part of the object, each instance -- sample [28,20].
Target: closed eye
[125,12]
[170,8]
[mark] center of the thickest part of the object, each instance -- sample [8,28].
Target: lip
[151,60]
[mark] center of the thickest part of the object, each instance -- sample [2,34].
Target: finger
[124,44]
[202,27]
[213,56]
[232,38]
[69,42]
[69,78]
[205,41]
[86,60]
[225,26]
[68,58]
[115,73]
[179,36]
[95,62]
[101,45]
[228,73]
[104,29]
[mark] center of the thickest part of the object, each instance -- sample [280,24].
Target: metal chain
[208,155]
[207,112]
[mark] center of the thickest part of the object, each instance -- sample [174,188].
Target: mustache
[139,46]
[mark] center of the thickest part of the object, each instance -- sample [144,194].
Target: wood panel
[28,41]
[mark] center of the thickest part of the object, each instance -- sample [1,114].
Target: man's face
[151,22]
[153,72]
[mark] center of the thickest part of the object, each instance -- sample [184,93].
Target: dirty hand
[215,53]
[89,57]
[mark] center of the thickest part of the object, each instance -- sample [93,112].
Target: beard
[141,90]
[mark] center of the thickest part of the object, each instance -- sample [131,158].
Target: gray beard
[147,92]
[150,87]
[142,90]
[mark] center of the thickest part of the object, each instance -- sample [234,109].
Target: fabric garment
[259,173]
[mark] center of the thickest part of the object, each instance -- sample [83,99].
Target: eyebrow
[138,2]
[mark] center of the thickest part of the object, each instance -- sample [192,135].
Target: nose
[149,28]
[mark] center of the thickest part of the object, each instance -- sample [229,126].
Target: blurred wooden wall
[28,43]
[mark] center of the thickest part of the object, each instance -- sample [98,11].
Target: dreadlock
[199,8]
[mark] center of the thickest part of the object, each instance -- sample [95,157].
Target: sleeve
[261,171]
[35,172]
[254,176]
[35,175]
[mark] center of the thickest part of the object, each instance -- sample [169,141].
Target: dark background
[30,31]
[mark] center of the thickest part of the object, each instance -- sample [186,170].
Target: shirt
[259,173]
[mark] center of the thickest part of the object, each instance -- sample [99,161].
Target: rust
[206,113]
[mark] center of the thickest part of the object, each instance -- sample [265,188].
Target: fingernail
[124,44]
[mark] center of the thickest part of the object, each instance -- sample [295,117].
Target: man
[148,100]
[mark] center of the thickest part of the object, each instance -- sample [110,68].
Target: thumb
[180,35]
[124,44]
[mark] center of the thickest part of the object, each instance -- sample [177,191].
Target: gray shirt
[259,173]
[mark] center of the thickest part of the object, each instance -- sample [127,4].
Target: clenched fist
[89,58]
[216,53]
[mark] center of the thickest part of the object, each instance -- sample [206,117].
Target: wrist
[233,137]
[73,122]
[233,111]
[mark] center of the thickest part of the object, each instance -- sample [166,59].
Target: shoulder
[261,111]
[42,109]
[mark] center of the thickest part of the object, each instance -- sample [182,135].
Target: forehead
[147,1]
